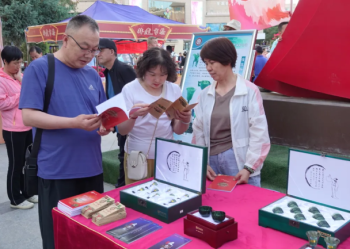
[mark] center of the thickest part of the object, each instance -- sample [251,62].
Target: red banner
[49,33]
[117,30]
[142,31]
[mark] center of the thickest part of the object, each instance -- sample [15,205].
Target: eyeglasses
[86,50]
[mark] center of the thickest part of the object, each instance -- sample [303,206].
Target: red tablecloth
[242,203]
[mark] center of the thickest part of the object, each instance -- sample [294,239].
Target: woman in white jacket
[230,118]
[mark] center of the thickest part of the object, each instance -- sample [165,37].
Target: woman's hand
[184,116]
[210,173]
[142,111]
[243,176]
[18,76]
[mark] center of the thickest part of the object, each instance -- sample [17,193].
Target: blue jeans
[225,164]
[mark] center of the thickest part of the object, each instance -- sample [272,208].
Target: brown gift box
[112,213]
[97,206]
[214,234]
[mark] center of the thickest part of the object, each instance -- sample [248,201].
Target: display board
[196,77]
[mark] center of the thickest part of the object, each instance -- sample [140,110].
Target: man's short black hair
[280,26]
[169,49]
[81,20]
[11,53]
[35,48]
[157,57]
[259,49]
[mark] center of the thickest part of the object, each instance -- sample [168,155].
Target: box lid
[181,164]
[321,179]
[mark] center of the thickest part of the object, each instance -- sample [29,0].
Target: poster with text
[196,76]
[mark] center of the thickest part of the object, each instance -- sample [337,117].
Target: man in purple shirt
[70,158]
[260,62]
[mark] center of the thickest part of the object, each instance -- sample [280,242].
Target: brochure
[163,105]
[114,112]
[223,183]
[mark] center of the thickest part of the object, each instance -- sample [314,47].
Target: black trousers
[121,144]
[51,191]
[16,145]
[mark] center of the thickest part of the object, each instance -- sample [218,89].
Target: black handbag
[30,169]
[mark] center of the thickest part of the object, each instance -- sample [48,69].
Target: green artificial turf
[275,171]
[110,164]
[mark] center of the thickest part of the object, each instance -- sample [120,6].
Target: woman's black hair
[157,57]
[35,48]
[220,49]
[11,53]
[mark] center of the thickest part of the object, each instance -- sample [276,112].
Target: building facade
[201,12]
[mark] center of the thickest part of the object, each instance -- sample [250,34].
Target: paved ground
[20,228]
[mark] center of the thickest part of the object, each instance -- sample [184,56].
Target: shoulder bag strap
[48,92]
[155,128]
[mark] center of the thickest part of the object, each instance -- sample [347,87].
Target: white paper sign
[179,164]
[319,179]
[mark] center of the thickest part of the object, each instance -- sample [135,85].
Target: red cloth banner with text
[142,31]
[49,33]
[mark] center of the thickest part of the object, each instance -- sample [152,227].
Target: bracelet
[184,122]
[251,171]
[133,118]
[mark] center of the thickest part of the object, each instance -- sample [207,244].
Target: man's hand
[104,132]
[87,122]
[210,173]
[18,76]
[185,117]
[243,176]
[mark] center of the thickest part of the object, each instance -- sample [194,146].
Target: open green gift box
[317,198]
[179,182]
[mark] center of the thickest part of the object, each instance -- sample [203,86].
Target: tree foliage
[17,15]
[270,32]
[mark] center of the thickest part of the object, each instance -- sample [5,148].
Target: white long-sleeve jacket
[250,137]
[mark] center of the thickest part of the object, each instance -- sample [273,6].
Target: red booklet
[223,183]
[113,111]
[81,200]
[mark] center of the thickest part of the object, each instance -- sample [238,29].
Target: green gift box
[179,182]
[317,198]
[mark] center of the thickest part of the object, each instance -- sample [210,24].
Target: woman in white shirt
[155,73]
[230,118]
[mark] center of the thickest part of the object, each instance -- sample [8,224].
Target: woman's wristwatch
[251,171]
